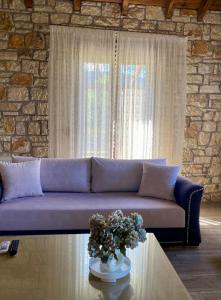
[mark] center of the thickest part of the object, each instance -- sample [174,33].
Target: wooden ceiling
[202,6]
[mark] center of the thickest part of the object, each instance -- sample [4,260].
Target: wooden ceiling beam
[204,7]
[77,5]
[169,9]
[28,3]
[125,4]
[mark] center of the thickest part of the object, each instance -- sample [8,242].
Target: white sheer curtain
[80,92]
[151,96]
[116,94]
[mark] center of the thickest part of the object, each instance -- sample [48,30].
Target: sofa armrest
[188,195]
[1,189]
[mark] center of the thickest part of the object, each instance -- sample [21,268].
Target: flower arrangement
[114,232]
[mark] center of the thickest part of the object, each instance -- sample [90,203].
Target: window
[116,94]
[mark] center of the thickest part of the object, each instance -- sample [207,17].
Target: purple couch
[76,189]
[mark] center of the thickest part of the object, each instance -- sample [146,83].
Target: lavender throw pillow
[158,181]
[21,179]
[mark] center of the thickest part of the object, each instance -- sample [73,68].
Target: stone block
[195,79]
[24,17]
[81,20]
[21,79]
[40,55]
[9,125]
[202,159]
[192,88]
[183,19]
[17,5]
[41,82]
[3,45]
[16,41]
[29,109]
[166,26]
[9,107]
[6,23]
[2,92]
[40,18]
[155,13]
[6,66]
[90,10]
[136,13]
[20,128]
[8,55]
[44,128]
[130,23]
[208,115]
[23,27]
[204,138]
[192,29]
[18,94]
[45,8]
[187,155]
[209,126]
[191,69]
[216,103]
[60,19]
[64,7]
[42,109]
[217,116]
[212,18]
[216,138]
[194,111]
[34,128]
[39,94]
[34,40]
[40,151]
[112,10]
[216,32]
[108,22]
[30,66]
[193,130]
[205,68]
[148,25]
[210,89]
[20,145]
[202,48]
[43,69]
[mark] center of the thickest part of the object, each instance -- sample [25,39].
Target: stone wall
[24,45]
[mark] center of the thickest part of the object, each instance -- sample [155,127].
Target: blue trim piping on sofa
[189,208]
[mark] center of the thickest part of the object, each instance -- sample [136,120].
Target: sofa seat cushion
[63,211]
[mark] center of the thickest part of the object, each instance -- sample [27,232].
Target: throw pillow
[21,179]
[158,181]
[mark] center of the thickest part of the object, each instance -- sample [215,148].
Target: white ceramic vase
[113,264]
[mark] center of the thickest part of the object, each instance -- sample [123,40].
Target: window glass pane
[96,99]
[134,130]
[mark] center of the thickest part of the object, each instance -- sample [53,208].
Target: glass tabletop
[56,267]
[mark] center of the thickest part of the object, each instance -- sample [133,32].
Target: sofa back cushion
[120,175]
[63,175]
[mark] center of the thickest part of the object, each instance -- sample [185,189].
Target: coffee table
[55,267]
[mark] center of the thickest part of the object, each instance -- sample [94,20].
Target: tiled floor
[200,267]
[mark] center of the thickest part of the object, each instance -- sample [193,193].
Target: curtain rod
[121,30]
